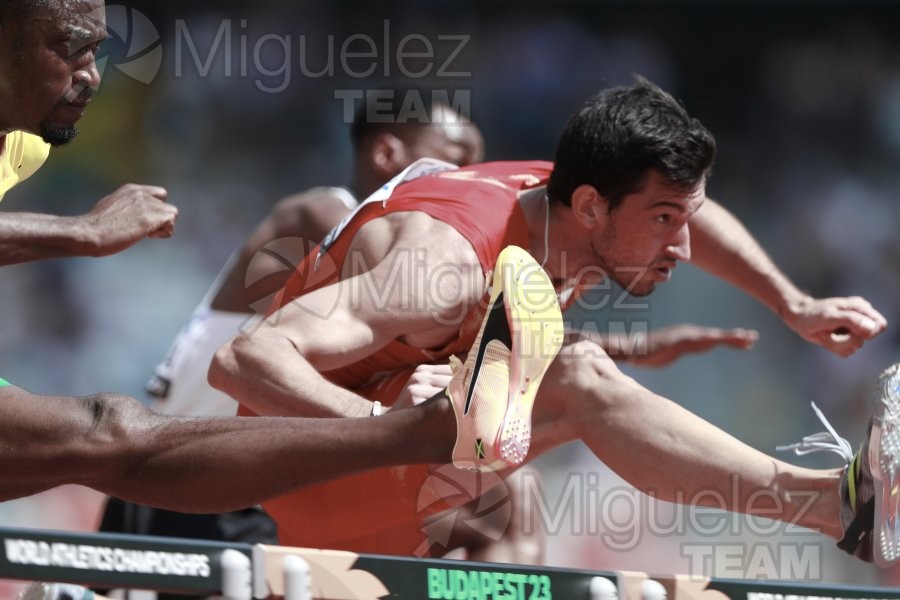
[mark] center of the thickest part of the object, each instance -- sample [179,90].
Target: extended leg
[672,454]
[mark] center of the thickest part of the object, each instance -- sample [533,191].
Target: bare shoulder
[422,258]
[309,214]
[429,242]
[315,196]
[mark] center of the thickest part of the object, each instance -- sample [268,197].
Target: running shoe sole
[531,328]
[884,461]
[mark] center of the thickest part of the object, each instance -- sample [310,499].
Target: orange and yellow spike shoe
[494,391]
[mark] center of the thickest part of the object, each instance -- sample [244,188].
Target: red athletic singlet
[481,202]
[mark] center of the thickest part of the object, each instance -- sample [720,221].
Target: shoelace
[824,441]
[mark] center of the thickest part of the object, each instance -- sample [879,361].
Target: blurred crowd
[804,99]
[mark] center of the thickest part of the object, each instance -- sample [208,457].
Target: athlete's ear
[388,155]
[589,207]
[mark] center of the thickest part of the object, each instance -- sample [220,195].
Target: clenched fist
[128,215]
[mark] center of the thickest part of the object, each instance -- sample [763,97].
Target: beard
[631,279]
[637,289]
[58,136]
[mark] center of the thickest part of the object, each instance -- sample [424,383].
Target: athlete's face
[49,69]
[640,242]
[449,137]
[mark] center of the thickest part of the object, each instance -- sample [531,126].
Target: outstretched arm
[721,245]
[113,444]
[661,347]
[128,215]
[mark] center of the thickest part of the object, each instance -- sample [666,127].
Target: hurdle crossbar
[347,576]
[112,561]
[195,567]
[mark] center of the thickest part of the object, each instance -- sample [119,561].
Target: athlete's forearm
[114,444]
[721,245]
[621,347]
[267,374]
[216,465]
[26,237]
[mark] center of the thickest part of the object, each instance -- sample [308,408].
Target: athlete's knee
[580,370]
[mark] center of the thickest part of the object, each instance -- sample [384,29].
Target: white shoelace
[825,441]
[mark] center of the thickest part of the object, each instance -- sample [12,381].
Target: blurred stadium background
[803,97]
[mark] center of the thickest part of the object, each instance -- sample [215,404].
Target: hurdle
[336,575]
[111,561]
[242,572]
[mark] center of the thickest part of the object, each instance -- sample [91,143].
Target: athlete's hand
[666,345]
[841,325]
[425,383]
[128,215]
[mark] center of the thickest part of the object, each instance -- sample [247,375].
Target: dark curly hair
[621,135]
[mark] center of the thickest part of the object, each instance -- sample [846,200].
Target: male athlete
[385,141]
[387,136]
[111,442]
[403,284]
[108,441]
[47,73]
